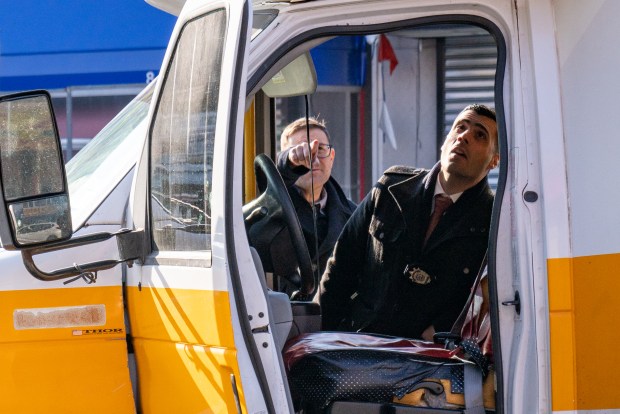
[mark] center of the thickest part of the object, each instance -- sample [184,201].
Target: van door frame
[265,66]
[253,379]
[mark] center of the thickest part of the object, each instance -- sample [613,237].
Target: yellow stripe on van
[61,314]
[184,346]
[66,377]
[584,315]
[64,351]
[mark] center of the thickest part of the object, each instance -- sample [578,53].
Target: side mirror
[35,215]
[33,185]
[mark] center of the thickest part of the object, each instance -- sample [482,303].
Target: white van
[160,275]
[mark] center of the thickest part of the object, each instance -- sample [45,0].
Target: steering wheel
[273,227]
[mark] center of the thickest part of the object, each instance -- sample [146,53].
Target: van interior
[388,99]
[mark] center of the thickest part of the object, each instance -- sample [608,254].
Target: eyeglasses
[324,151]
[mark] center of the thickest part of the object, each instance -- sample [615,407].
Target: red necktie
[442,202]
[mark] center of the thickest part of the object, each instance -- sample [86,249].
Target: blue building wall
[54,44]
[341,61]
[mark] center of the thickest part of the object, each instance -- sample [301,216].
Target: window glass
[183,135]
[98,168]
[394,110]
[82,111]
[262,19]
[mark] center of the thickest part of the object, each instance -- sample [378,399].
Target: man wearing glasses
[306,171]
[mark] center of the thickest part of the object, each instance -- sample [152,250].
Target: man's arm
[294,162]
[289,173]
[341,278]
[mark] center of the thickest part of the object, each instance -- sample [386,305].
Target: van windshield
[94,171]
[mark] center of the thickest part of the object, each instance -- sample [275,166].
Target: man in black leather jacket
[383,277]
[333,207]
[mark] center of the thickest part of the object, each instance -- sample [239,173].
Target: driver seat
[345,372]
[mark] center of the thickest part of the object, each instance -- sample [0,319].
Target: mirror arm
[130,248]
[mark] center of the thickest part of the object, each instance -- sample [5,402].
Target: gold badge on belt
[417,275]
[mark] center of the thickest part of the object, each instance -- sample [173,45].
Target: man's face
[321,167]
[468,152]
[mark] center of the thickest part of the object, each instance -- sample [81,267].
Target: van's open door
[185,327]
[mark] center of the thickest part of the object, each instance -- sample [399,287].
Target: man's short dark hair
[481,110]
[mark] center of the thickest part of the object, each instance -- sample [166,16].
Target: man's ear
[333,154]
[494,162]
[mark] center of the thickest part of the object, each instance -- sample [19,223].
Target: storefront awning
[55,44]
